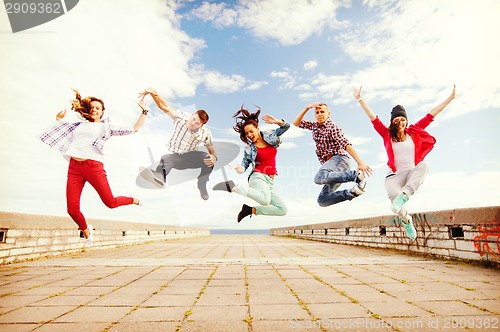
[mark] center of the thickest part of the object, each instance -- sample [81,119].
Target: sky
[279,55]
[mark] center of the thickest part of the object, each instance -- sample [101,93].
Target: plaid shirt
[329,139]
[184,140]
[60,135]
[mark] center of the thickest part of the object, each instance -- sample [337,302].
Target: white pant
[406,181]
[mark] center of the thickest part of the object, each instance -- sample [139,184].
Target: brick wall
[24,237]
[469,234]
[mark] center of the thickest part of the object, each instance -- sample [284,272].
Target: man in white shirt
[189,133]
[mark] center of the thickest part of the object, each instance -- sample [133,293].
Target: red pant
[92,171]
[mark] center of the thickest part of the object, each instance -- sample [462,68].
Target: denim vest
[271,137]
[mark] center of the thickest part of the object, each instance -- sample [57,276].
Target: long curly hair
[243,118]
[82,105]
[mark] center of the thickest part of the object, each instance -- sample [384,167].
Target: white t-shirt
[404,154]
[83,136]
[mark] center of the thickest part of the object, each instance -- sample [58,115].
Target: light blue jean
[260,189]
[332,174]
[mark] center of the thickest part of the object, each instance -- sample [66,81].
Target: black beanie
[398,110]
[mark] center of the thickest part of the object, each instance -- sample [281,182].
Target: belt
[328,156]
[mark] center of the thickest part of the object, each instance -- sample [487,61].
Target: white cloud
[286,77]
[310,65]
[289,22]
[219,83]
[308,96]
[280,74]
[256,85]
[103,50]
[287,145]
[208,11]
[356,140]
[217,13]
[416,50]
[449,190]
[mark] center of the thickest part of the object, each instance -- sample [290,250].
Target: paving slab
[247,283]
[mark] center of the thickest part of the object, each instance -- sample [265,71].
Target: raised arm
[301,115]
[142,117]
[436,110]
[369,112]
[160,102]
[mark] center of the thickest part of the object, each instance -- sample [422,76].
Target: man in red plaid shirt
[333,150]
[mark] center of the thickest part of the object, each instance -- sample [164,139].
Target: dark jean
[332,174]
[188,160]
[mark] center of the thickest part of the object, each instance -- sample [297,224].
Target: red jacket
[423,141]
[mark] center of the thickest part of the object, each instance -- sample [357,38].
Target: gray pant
[406,181]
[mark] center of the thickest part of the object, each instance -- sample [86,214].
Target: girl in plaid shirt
[82,143]
[332,149]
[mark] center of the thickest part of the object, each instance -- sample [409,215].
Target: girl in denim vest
[260,152]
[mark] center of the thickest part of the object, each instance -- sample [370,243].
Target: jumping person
[82,143]
[260,152]
[332,149]
[406,148]
[189,133]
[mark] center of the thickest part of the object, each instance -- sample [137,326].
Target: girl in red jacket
[406,148]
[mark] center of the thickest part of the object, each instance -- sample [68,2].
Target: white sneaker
[361,180]
[90,240]
[152,177]
[357,191]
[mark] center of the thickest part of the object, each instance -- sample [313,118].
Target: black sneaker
[224,186]
[245,211]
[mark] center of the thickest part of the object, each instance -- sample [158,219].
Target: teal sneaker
[407,222]
[398,202]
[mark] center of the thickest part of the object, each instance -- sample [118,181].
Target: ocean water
[240,231]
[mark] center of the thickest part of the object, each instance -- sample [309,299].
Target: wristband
[360,99]
[145,112]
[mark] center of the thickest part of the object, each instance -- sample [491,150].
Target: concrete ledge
[27,236]
[468,234]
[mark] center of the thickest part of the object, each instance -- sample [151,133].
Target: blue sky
[279,55]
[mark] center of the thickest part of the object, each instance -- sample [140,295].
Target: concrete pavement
[247,283]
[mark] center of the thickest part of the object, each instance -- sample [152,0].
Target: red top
[423,141]
[265,162]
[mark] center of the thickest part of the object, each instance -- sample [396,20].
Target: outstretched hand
[357,92]
[365,169]
[147,92]
[453,92]
[314,105]
[61,115]
[238,168]
[271,119]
